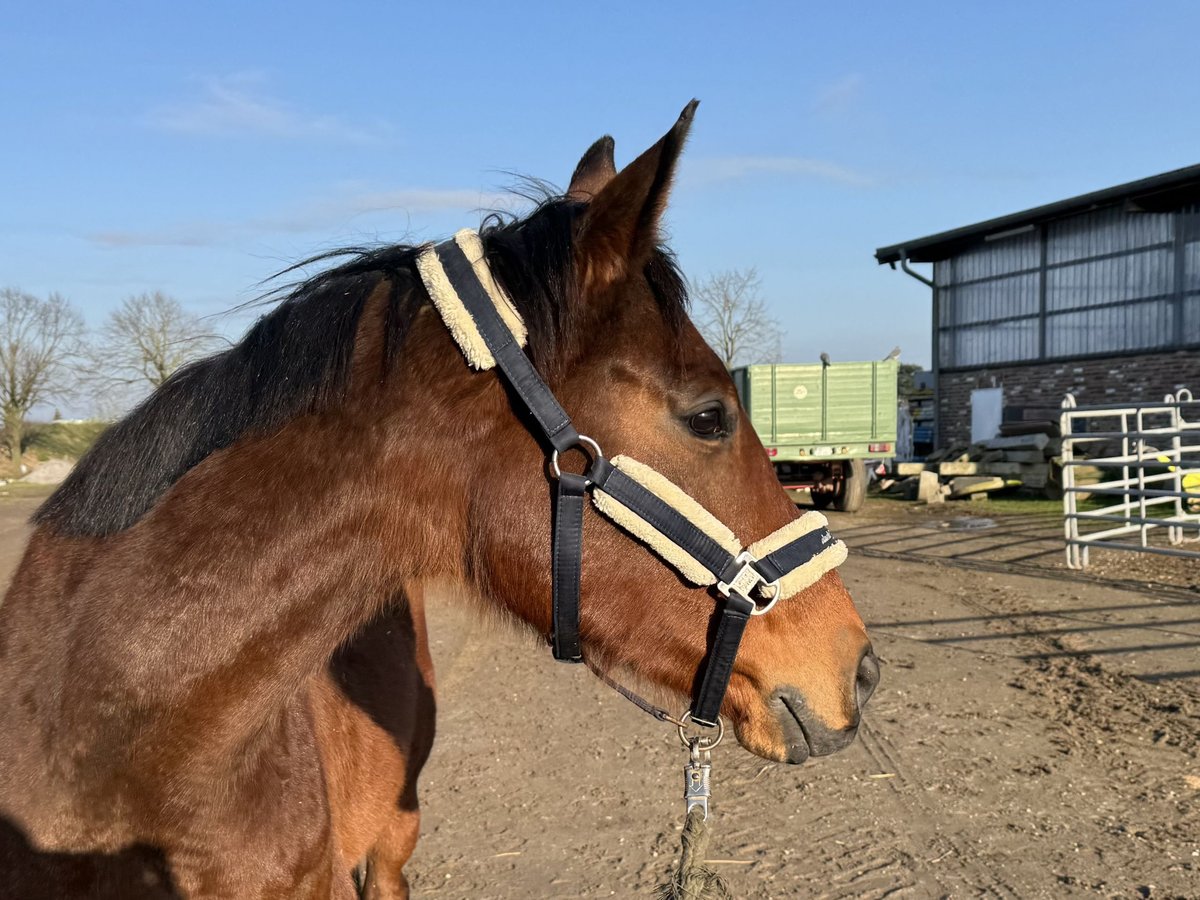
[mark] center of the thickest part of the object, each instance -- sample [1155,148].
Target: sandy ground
[1036,734]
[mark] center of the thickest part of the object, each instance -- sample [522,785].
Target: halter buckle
[746,579]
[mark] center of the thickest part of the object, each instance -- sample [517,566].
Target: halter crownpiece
[490,333]
[450,306]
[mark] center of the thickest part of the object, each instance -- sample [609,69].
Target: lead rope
[692,879]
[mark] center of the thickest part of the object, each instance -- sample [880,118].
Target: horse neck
[248,574]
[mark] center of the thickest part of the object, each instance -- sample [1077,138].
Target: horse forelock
[297,360]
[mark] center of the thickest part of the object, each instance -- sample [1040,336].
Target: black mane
[295,360]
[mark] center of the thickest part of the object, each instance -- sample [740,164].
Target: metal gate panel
[1149,455]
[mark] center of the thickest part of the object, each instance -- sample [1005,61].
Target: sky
[198,149]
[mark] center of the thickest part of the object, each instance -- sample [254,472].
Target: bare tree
[142,343]
[38,339]
[732,316]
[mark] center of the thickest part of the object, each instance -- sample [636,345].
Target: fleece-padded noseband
[827,554]
[489,331]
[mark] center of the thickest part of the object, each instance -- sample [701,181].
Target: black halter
[737,576]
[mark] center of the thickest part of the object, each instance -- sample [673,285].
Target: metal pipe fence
[1149,458]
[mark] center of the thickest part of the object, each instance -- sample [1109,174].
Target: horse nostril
[867,679]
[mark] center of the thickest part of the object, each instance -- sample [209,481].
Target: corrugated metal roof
[1158,193]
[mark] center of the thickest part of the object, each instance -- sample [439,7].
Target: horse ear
[619,230]
[594,171]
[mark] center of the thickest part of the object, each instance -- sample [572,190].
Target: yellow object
[1190,483]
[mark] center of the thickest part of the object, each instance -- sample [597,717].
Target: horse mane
[295,360]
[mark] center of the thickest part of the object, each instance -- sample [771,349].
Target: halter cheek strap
[704,551]
[643,502]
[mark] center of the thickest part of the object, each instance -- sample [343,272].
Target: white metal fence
[1148,497]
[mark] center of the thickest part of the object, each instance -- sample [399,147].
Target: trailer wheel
[852,492]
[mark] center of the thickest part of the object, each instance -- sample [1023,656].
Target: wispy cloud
[729,168]
[352,201]
[239,105]
[838,95]
[195,234]
[327,215]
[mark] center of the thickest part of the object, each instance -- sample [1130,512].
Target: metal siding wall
[1149,273]
[994,258]
[1114,328]
[989,282]
[1191,319]
[1011,295]
[1191,266]
[1110,230]
[1135,271]
[1189,223]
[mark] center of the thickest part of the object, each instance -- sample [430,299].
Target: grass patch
[1014,504]
[1009,502]
[18,491]
[62,440]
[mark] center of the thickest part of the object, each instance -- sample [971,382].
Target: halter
[748,581]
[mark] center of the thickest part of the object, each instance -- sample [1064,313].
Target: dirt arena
[1036,734]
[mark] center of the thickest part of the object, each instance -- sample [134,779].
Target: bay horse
[215,679]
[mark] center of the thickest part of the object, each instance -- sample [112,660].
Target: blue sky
[198,149]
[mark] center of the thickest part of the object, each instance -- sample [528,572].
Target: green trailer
[820,422]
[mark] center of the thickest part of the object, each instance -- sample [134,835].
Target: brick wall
[1035,391]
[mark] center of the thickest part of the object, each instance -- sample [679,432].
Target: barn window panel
[1103,231]
[1133,326]
[1015,295]
[1150,273]
[995,342]
[1191,320]
[991,259]
[1191,266]
[1105,282]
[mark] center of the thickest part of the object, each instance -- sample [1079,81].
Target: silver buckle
[746,580]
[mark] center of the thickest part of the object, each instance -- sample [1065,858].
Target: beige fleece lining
[472,247]
[450,306]
[674,496]
[830,557]
[812,571]
[797,528]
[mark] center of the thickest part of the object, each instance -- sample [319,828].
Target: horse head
[638,378]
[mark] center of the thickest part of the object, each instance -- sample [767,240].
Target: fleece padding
[671,494]
[450,306]
[806,575]
[687,565]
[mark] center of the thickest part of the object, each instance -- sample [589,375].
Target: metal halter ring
[683,720]
[583,439]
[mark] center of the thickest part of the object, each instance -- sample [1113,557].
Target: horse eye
[707,423]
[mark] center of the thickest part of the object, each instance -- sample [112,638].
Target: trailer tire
[852,492]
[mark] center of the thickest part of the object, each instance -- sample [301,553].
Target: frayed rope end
[693,880]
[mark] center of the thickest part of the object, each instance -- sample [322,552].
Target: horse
[215,678]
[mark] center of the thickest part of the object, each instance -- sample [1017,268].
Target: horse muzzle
[804,733]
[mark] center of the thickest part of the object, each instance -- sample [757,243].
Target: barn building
[1098,295]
